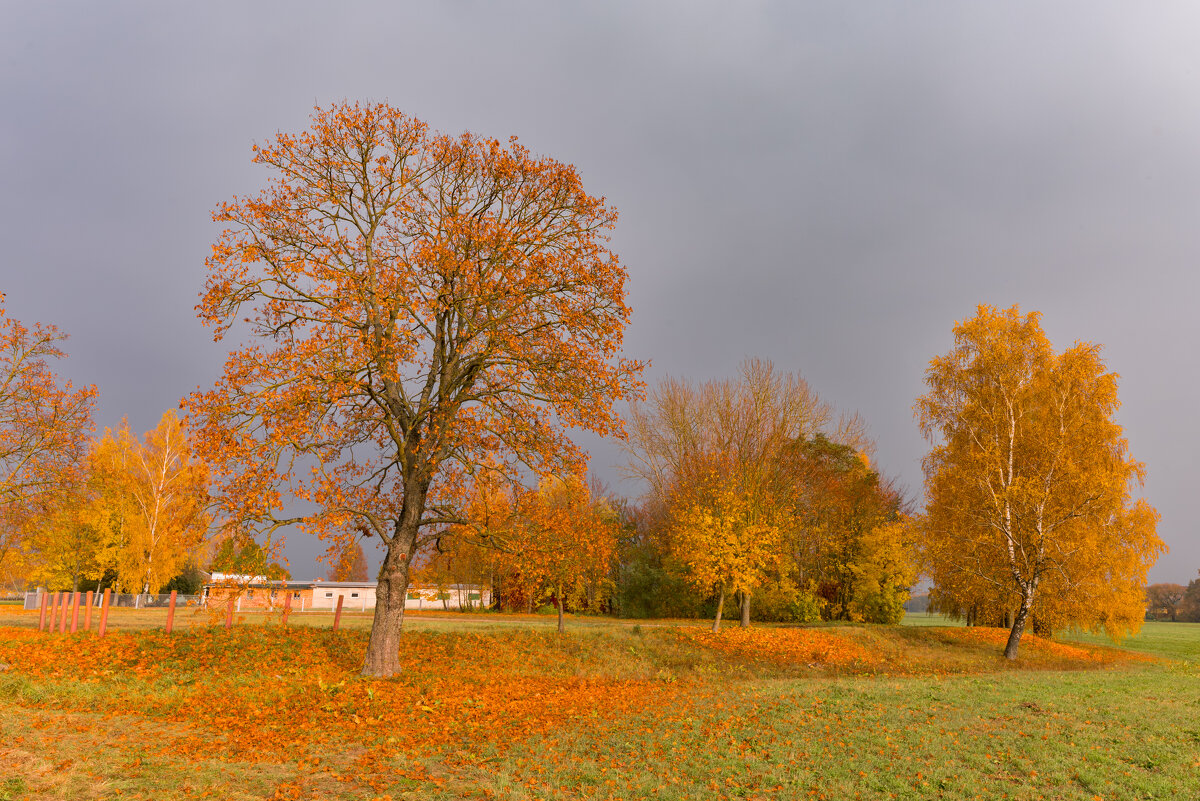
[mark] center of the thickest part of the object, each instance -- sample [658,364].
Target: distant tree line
[1174,602]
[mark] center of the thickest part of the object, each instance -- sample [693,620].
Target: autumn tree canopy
[1029,484]
[416,305]
[1162,600]
[43,424]
[349,562]
[562,543]
[723,460]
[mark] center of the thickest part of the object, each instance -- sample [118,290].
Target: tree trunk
[720,608]
[1018,628]
[745,610]
[391,592]
[559,603]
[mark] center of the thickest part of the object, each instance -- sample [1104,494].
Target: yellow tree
[42,424]
[1029,485]
[420,303]
[62,544]
[726,540]
[151,502]
[733,436]
[883,572]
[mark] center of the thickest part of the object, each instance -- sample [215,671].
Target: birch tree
[1030,484]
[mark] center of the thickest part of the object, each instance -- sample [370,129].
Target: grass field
[494,706]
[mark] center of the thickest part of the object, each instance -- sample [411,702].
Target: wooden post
[75,613]
[104,612]
[337,616]
[42,613]
[171,611]
[229,614]
[287,606]
[62,612]
[87,612]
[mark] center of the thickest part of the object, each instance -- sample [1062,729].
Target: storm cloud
[828,185]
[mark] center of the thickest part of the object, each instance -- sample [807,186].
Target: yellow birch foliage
[151,497]
[1029,484]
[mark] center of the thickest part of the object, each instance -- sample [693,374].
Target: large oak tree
[419,305]
[1029,484]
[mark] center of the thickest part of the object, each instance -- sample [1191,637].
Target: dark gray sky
[828,185]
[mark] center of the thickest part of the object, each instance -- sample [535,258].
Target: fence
[62,610]
[33,600]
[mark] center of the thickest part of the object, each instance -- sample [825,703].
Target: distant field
[929,619]
[494,706]
[1173,640]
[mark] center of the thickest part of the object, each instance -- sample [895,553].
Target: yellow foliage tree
[726,540]
[1029,483]
[731,436]
[151,498]
[62,546]
[883,571]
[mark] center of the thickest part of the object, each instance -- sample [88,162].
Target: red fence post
[75,613]
[337,616]
[171,612]
[42,613]
[229,613]
[87,612]
[62,612]
[287,606]
[104,612]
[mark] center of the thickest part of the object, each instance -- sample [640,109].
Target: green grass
[1171,640]
[1116,735]
[929,619]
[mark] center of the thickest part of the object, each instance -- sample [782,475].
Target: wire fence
[33,600]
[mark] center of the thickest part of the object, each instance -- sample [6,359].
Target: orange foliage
[1074,653]
[42,426]
[566,547]
[298,680]
[789,646]
[1031,489]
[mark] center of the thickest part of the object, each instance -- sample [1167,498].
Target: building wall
[423,597]
[356,598]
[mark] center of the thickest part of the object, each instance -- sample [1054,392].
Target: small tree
[350,563]
[726,542]
[1162,600]
[567,544]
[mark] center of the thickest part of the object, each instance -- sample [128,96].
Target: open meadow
[496,706]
